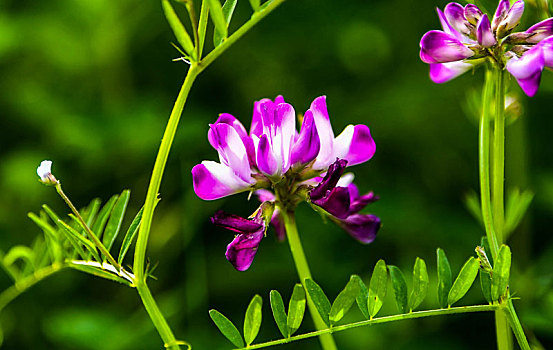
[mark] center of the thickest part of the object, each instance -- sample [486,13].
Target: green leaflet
[400,288]
[501,271]
[94,268]
[445,279]
[344,301]
[362,297]
[103,216]
[516,207]
[228,10]
[464,280]
[218,18]
[129,236]
[115,219]
[377,288]
[89,214]
[296,309]
[279,313]
[486,285]
[420,284]
[322,304]
[227,328]
[255,5]
[71,232]
[18,252]
[252,321]
[178,29]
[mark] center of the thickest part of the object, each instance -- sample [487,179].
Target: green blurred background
[89,84]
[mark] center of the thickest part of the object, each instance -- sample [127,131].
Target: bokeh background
[90,84]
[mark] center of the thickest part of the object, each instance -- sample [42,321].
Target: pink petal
[225,118]
[232,150]
[527,70]
[355,144]
[326,135]
[500,12]
[484,33]
[439,47]
[444,72]
[308,145]
[541,30]
[214,180]
[455,14]
[472,13]
[266,160]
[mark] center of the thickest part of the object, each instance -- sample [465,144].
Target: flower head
[468,38]
[281,165]
[44,171]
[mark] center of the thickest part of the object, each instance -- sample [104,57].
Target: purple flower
[281,165]
[468,38]
[343,203]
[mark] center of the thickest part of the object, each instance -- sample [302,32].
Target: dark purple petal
[444,72]
[355,144]
[527,69]
[362,227]
[500,12]
[455,15]
[439,47]
[484,32]
[237,223]
[307,146]
[472,14]
[333,174]
[241,251]
[358,202]
[266,161]
[541,30]
[336,202]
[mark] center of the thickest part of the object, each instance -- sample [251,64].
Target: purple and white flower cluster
[283,166]
[469,39]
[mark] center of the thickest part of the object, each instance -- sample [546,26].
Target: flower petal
[527,69]
[265,195]
[547,49]
[355,144]
[358,202]
[44,170]
[362,227]
[472,14]
[307,146]
[214,180]
[285,131]
[225,118]
[241,251]
[336,202]
[439,47]
[541,30]
[333,175]
[278,225]
[231,149]
[236,223]
[444,72]
[326,135]
[500,12]
[511,19]
[455,15]
[266,160]
[484,32]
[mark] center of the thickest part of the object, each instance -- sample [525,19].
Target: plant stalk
[326,339]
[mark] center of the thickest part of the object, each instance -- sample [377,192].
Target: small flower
[281,165]
[469,39]
[44,171]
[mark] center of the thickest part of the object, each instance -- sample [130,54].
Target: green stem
[89,232]
[484,164]
[27,282]
[378,320]
[516,326]
[326,339]
[157,317]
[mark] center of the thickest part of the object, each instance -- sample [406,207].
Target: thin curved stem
[378,320]
[326,339]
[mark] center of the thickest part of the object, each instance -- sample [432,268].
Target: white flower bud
[44,171]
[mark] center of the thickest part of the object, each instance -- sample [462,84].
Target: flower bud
[44,171]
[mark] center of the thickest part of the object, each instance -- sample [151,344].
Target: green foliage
[464,280]
[445,278]
[178,29]
[218,18]
[279,313]
[319,298]
[227,328]
[252,321]
[129,236]
[377,288]
[420,284]
[501,271]
[363,297]
[344,301]
[515,208]
[400,288]
[486,285]
[228,11]
[255,5]
[116,219]
[296,309]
